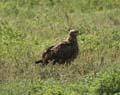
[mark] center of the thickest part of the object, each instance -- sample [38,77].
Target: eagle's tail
[39,61]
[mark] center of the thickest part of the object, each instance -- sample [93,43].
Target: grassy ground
[27,27]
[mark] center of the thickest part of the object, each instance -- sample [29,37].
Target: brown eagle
[63,52]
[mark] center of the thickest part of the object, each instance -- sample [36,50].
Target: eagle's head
[74,33]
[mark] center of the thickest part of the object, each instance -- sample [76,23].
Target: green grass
[28,27]
[104,83]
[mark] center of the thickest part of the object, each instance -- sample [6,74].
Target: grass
[27,27]
[107,82]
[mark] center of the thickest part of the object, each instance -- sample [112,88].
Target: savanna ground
[27,27]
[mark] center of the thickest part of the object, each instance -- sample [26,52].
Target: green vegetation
[27,27]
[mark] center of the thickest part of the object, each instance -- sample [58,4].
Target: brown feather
[63,52]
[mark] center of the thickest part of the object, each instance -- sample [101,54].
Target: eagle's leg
[68,62]
[61,61]
[55,61]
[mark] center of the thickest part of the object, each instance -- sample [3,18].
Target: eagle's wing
[62,48]
[47,51]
